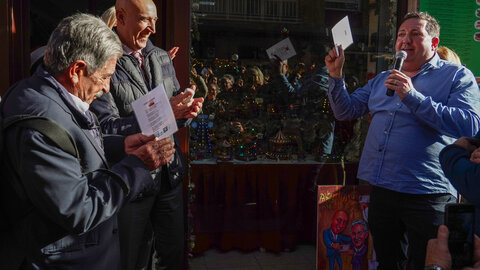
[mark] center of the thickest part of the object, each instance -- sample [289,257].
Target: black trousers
[168,227]
[153,221]
[401,225]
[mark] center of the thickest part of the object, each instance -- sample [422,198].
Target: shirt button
[391,113]
[115,231]
[385,132]
[398,104]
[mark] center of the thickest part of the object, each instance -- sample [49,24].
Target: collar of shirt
[127,50]
[433,63]
[80,114]
[81,105]
[84,118]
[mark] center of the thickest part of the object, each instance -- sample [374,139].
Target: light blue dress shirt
[401,151]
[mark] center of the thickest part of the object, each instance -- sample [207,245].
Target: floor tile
[238,268]
[290,267]
[198,263]
[300,258]
[298,255]
[232,259]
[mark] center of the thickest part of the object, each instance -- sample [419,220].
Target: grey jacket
[115,113]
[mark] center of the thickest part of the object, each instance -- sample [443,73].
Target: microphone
[399,57]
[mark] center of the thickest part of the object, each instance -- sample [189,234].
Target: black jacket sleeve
[109,118]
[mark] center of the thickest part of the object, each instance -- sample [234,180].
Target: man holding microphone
[434,103]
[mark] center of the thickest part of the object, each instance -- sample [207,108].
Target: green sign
[459,28]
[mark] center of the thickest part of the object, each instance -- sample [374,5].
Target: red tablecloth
[248,206]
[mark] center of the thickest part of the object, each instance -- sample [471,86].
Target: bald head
[119,4]
[135,22]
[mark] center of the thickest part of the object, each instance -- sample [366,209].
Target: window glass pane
[252,111]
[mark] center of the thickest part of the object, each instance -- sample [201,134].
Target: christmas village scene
[259,113]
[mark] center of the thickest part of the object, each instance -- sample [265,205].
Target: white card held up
[342,34]
[283,50]
[154,114]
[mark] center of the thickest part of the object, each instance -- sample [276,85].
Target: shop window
[250,113]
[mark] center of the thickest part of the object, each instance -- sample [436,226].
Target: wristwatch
[432,267]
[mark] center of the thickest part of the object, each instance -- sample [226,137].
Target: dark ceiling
[46,14]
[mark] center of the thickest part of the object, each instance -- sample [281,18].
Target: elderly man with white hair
[62,209]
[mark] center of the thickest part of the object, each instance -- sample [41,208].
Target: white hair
[81,37]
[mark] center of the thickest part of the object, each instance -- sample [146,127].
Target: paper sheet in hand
[154,114]
[342,34]
[283,49]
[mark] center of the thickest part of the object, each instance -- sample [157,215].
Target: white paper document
[342,34]
[283,50]
[154,114]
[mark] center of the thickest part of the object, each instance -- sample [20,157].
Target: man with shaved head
[157,214]
[137,22]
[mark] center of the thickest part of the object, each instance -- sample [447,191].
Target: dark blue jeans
[401,225]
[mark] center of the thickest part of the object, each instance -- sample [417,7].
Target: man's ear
[120,14]
[435,42]
[75,70]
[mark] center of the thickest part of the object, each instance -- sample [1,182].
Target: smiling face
[339,222]
[413,38]
[358,235]
[226,83]
[212,91]
[136,22]
[92,86]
